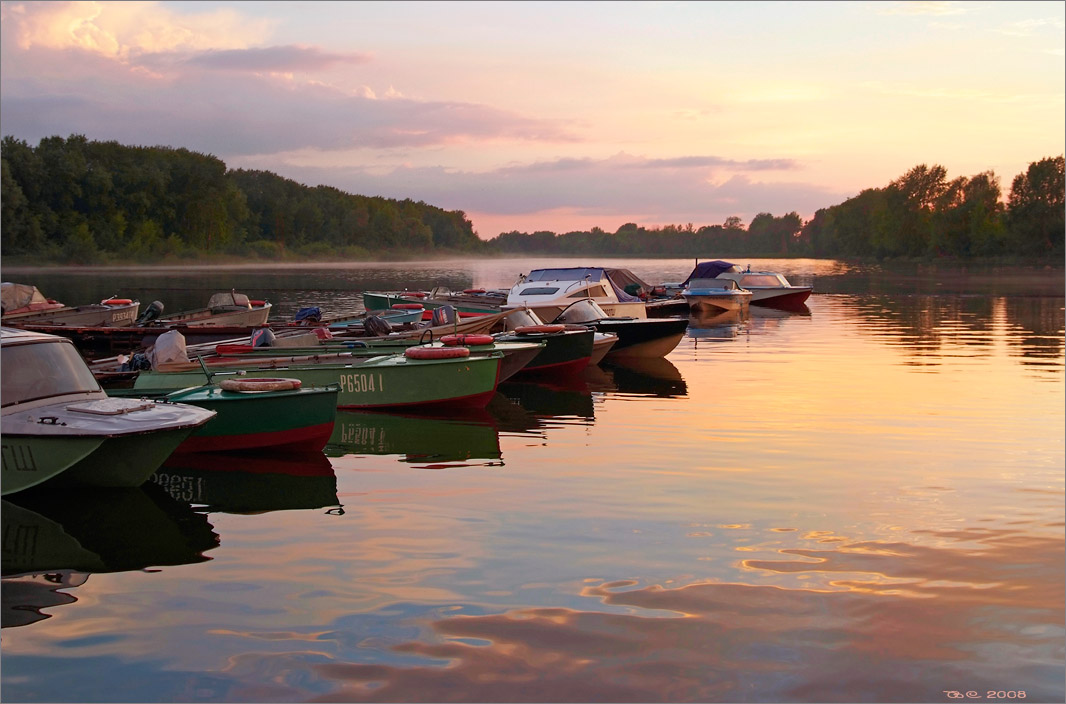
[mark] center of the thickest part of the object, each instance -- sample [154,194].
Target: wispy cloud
[275,59]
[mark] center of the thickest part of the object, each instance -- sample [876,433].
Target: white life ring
[259,385]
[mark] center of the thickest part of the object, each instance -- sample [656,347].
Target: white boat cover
[169,347]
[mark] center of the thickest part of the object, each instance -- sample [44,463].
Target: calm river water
[863,502]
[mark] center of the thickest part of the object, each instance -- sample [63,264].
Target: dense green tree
[1035,208]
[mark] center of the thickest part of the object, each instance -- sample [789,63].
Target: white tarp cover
[169,347]
[15,296]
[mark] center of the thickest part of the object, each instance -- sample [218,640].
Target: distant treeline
[80,201]
[921,214]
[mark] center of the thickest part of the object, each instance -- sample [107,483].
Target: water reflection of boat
[721,326]
[461,436]
[638,377]
[558,398]
[50,536]
[250,482]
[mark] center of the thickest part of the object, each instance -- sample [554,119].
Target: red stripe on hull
[312,437]
[787,301]
[574,366]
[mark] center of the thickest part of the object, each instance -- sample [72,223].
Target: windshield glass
[538,291]
[760,280]
[42,370]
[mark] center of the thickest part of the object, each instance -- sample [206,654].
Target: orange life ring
[470,339]
[233,348]
[413,294]
[407,306]
[116,301]
[473,290]
[259,384]
[257,304]
[539,329]
[436,352]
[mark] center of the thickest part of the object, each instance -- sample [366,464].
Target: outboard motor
[445,315]
[376,326]
[152,312]
[263,337]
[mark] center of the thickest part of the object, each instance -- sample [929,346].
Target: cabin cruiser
[716,294]
[767,288]
[637,337]
[547,292]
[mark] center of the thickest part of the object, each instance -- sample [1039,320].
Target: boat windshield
[538,291]
[769,280]
[42,370]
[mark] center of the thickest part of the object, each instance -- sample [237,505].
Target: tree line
[84,201]
[81,201]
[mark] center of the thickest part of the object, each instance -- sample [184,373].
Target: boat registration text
[361,383]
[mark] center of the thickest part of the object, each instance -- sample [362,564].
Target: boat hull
[644,337]
[31,460]
[254,316]
[294,419]
[379,382]
[125,461]
[565,352]
[794,298]
[93,315]
[711,302]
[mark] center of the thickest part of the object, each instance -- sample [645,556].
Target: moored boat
[768,288]
[226,308]
[431,378]
[637,337]
[716,294]
[547,292]
[59,428]
[284,416]
[24,304]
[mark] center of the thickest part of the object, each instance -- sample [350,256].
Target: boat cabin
[549,291]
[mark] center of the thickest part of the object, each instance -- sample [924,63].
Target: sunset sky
[555,115]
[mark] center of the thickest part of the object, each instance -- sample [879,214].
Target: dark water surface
[863,502]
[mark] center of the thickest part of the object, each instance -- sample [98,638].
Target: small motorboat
[61,429]
[716,294]
[24,304]
[224,308]
[768,288]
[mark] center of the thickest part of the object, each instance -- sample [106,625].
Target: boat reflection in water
[432,441]
[250,482]
[54,540]
[716,327]
[649,376]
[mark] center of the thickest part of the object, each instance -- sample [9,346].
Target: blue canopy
[709,270]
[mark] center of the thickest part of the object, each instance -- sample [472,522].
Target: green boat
[60,429]
[384,381]
[294,418]
[517,353]
[470,302]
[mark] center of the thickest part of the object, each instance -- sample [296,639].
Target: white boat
[25,305]
[768,288]
[226,308]
[547,292]
[716,294]
[60,429]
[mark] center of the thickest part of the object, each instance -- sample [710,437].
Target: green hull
[125,461]
[379,382]
[31,460]
[296,418]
